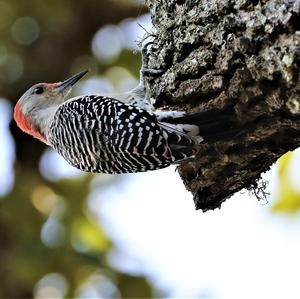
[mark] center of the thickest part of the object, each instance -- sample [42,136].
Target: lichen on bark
[238,56]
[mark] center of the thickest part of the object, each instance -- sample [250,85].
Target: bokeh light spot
[54,167]
[44,199]
[94,85]
[87,236]
[53,233]
[53,285]
[122,79]
[98,286]
[107,44]
[25,30]
[7,152]
[134,30]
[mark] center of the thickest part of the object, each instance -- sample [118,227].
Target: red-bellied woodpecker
[102,134]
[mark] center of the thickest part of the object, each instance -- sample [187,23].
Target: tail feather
[182,144]
[213,125]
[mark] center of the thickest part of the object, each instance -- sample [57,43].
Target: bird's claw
[147,72]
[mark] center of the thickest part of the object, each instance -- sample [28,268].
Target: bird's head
[35,106]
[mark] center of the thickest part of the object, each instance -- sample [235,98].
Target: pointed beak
[71,81]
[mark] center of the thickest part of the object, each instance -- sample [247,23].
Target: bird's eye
[39,90]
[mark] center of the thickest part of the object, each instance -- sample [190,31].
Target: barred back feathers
[101,134]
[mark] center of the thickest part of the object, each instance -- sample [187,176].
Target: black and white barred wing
[136,133]
[139,133]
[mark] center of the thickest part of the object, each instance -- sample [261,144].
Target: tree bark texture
[238,57]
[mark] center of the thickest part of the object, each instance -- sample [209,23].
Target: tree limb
[239,57]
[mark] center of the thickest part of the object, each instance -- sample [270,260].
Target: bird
[104,134]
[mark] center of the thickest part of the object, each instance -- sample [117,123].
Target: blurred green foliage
[51,245]
[288,197]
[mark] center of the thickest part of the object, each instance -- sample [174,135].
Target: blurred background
[64,233]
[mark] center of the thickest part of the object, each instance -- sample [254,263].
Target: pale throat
[37,125]
[42,120]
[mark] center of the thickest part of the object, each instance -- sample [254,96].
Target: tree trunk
[240,58]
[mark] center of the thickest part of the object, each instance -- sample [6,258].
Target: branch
[238,57]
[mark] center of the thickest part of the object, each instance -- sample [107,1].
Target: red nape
[25,124]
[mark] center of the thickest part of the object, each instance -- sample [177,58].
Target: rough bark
[240,57]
